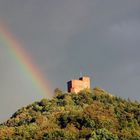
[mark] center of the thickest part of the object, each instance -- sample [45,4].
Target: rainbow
[24,60]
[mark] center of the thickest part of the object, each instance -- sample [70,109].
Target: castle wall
[78,85]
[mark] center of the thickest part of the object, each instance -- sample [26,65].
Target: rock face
[90,114]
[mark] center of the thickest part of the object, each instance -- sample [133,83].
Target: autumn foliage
[88,115]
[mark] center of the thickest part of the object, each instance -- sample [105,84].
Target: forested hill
[89,115]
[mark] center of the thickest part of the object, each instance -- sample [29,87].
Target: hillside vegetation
[89,115]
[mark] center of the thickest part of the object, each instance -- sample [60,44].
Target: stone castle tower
[78,85]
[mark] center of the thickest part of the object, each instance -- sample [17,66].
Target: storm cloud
[98,38]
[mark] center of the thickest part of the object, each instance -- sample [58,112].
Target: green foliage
[90,114]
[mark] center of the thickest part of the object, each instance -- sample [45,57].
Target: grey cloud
[99,38]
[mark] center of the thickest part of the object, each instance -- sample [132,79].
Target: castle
[78,85]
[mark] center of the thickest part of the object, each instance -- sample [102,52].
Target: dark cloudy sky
[100,38]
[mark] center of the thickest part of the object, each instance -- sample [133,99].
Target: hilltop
[90,114]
